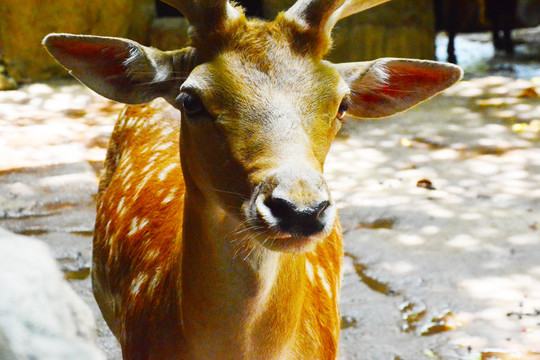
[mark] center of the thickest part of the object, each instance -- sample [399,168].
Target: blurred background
[399,28]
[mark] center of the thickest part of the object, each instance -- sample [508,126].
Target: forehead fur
[256,65]
[255,79]
[258,36]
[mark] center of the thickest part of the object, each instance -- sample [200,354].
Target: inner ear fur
[387,86]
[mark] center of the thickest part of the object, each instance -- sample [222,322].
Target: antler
[322,15]
[205,16]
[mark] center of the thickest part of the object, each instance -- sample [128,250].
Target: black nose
[304,222]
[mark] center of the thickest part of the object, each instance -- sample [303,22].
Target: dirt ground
[440,208]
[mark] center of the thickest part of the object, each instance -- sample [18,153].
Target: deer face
[266,117]
[260,107]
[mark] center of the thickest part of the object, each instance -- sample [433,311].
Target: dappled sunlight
[38,121]
[411,240]
[510,310]
[398,267]
[469,240]
[463,241]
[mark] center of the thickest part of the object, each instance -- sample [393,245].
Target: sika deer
[216,236]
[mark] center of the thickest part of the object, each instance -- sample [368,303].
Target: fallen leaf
[426,184]
[529,93]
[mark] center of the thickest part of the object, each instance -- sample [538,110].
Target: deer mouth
[280,225]
[291,243]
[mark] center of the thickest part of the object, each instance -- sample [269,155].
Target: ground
[440,207]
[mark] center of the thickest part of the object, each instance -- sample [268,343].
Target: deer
[216,236]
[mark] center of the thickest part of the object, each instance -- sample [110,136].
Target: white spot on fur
[151,255]
[127,177]
[143,183]
[148,166]
[137,225]
[132,122]
[164,146]
[138,282]
[166,132]
[155,281]
[170,197]
[134,225]
[120,207]
[110,240]
[309,271]
[324,281]
[127,167]
[148,176]
[112,249]
[123,112]
[107,228]
[163,174]
[143,223]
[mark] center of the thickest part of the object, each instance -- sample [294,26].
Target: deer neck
[235,297]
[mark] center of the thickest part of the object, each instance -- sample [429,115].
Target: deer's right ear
[119,69]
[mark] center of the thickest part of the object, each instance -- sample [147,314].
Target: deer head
[260,106]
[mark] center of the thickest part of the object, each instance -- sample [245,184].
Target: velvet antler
[320,16]
[206,16]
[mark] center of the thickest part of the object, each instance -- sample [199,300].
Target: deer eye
[343,107]
[191,103]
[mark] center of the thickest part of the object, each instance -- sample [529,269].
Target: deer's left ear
[387,86]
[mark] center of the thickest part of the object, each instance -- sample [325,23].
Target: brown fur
[145,321]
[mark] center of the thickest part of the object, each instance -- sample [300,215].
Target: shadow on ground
[441,211]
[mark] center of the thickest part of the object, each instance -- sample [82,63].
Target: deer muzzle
[293,206]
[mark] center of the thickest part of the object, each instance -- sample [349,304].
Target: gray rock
[5,350]
[41,317]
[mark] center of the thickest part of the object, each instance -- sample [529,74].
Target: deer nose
[293,201]
[289,218]
[303,210]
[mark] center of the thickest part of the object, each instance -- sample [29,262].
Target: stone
[41,317]
[5,351]
[25,23]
